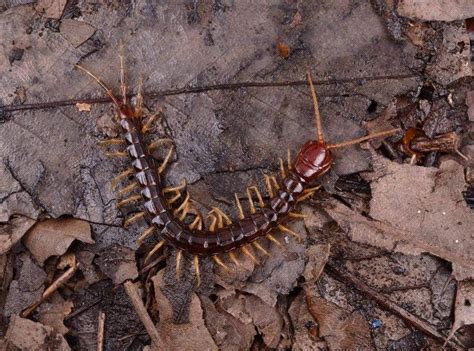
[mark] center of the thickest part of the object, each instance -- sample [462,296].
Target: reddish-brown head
[313,160]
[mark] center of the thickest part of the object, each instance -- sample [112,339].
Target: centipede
[168,211]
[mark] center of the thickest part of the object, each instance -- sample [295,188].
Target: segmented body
[202,242]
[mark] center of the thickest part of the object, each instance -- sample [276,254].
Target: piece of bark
[53,237]
[12,232]
[118,263]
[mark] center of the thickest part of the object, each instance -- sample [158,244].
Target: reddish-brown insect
[171,214]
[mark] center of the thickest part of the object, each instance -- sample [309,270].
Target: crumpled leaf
[463,307]
[415,210]
[51,8]
[188,336]
[340,329]
[118,263]
[318,256]
[436,10]
[13,231]
[27,288]
[228,332]
[53,312]
[76,32]
[28,335]
[251,309]
[53,237]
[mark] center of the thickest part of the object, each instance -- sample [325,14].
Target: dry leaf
[340,329]
[53,237]
[318,256]
[188,336]
[53,312]
[51,8]
[28,335]
[118,263]
[76,32]
[436,10]
[464,307]
[83,107]
[13,231]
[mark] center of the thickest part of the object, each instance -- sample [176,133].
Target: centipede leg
[260,248]
[271,183]
[220,263]
[154,250]
[166,160]
[149,231]
[134,218]
[121,176]
[259,196]
[273,239]
[128,200]
[288,155]
[175,188]
[147,126]
[307,193]
[249,254]
[159,142]
[297,215]
[128,189]
[222,217]
[114,141]
[288,230]
[197,270]
[234,259]
[179,256]
[182,206]
[116,154]
[282,169]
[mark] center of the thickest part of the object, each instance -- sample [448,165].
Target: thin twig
[100,331]
[196,90]
[51,289]
[137,302]
[384,302]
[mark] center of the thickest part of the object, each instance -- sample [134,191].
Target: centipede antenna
[317,116]
[102,84]
[367,137]
[123,85]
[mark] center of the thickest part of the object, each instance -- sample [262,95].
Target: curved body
[313,160]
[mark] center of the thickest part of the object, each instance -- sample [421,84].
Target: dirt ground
[384,258]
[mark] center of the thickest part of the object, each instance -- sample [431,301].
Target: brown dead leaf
[53,312]
[436,10]
[13,231]
[318,256]
[415,210]
[77,32]
[463,307]
[470,105]
[28,335]
[118,263]
[26,288]
[382,122]
[283,50]
[340,329]
[228,332]
[188,336]
[83,107]
[51,8]
[53,237]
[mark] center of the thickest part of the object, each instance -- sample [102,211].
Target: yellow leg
[196,269]
[260,248]
[128,189]
[174,198]
[159,142]
[273,239]
[155,249]
[212,226]
[112,142]
[166,160]
[297,215]
[234,259]
[271,183]
[307,193]
[175,188]
[222,215]
[282,169]
[220,263]
[288,155]
[147,126]
[239,207]
[116,154]
[259,196]
[145,235]
[184,212]
[133,219]
[288,230]
[183,205]
[122,176]
[249,254]
[179,256]
[125,202]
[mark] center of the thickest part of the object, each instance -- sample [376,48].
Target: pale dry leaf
[77,32]
[53,312]
[340,329]
[13,231]
[28,335]
[83,107]
[318,256]
[53,237]
[463,307]
[436,10]
[118,263]
[51,8]
[189,336]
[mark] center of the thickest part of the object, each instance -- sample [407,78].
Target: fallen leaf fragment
[318,256]
[436,10]
[53,312]
[51,8]
[340,329]
[189,336]
[463,307]
[118,263]
[76,32]
[53,237]
[83,107]
[28,335]
[12,232]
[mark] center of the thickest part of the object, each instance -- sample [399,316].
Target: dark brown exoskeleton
[166,215]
